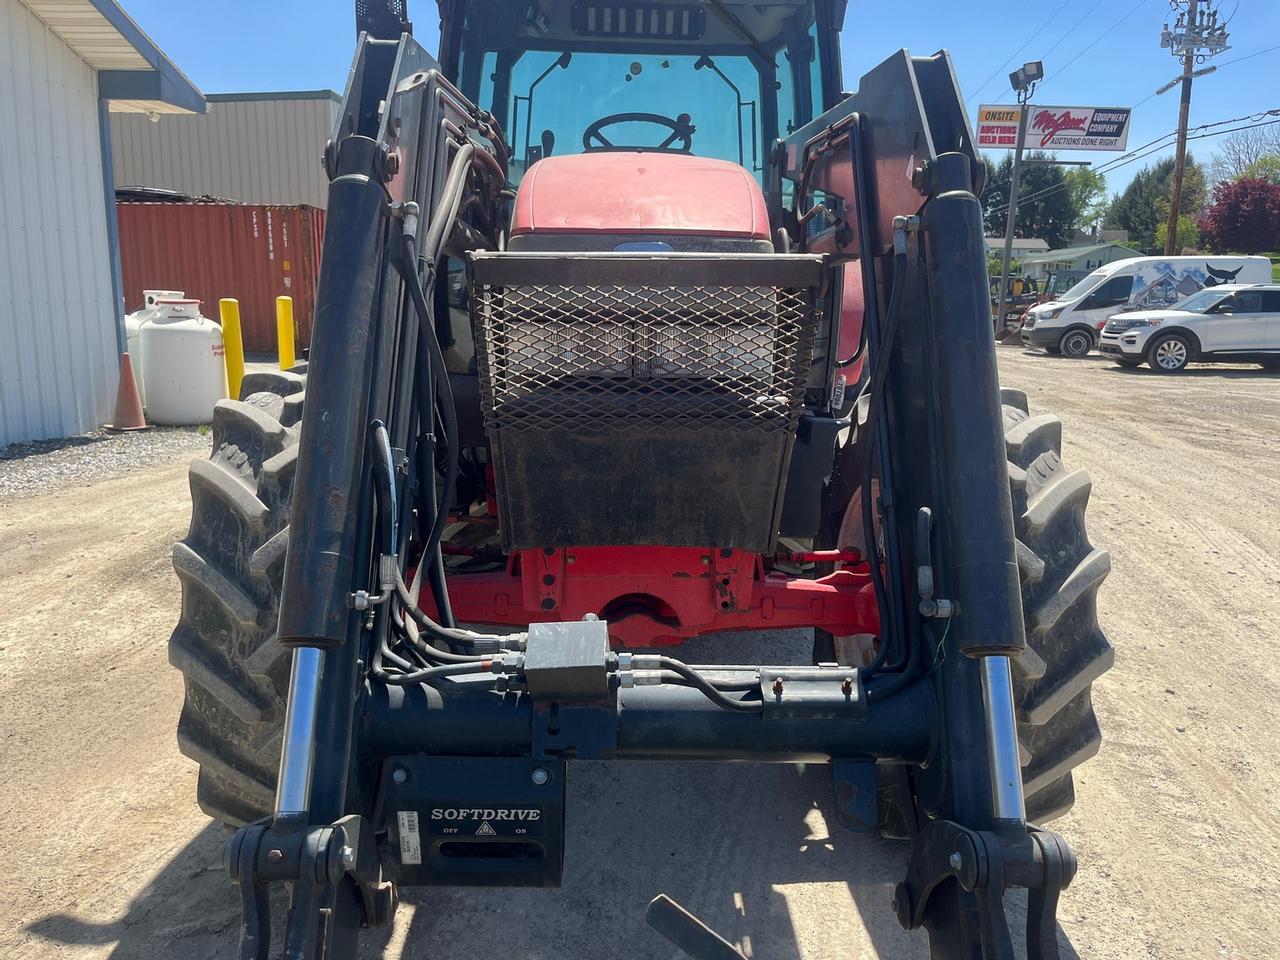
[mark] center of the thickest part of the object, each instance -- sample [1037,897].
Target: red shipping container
[251,252]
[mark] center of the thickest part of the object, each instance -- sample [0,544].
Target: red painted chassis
[662,596]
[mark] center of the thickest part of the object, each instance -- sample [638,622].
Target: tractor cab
[715,80]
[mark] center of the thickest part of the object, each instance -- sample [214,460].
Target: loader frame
[896,161]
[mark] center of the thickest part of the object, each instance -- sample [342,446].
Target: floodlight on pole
[1023,80]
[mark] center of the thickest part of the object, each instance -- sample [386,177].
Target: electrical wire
[1227,63]
[1057,43]
[1013,56]
[1154,146]
[1058,71]
[1116,165]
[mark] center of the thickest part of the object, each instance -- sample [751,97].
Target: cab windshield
[719,80]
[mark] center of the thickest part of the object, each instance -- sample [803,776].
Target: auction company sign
[1055,128]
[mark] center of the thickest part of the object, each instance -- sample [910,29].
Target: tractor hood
[640,193]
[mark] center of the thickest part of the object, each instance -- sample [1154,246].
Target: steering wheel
[682,131]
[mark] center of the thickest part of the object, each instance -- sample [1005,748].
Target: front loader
[631,328]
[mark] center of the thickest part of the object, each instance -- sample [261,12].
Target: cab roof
[553,23]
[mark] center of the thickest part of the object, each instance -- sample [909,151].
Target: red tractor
[632,327]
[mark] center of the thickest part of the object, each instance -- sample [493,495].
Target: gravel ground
[1177,822]
[41,466]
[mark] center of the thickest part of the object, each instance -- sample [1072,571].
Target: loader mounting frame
[353,743]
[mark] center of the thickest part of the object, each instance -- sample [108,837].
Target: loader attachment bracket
[314,861]
[984,864]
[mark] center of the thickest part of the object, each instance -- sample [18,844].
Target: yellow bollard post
[284,331]
[232,344]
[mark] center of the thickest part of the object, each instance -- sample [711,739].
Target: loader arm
[418,752]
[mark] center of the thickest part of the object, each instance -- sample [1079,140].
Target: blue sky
[1096,52]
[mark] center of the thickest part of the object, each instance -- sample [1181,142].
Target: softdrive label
[485,821]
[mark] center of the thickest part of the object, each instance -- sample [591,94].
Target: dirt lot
[1177,826]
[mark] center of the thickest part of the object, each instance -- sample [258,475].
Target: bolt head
[777,685]
[399,774]
[348,856]
[956,861]
[540,776]
[275,856]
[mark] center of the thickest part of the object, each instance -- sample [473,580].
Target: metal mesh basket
[646,398]
[615,356]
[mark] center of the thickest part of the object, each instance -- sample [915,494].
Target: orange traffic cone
[128,403]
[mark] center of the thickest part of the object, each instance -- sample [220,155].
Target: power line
[1057,72]
[1071,30]
[1155,146]
[1227,63]
[1057,43]
[1117,164]
[1015,53]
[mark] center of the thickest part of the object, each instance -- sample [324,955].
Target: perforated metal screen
[612,357]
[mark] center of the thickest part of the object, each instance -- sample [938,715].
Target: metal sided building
[250,147]
[65,67]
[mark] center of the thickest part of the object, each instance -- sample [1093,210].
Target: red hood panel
[640,193]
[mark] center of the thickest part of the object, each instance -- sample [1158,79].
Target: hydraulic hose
[875,391]
[380,450]
[706,687]
[429,344]
[427,674]
[448,634]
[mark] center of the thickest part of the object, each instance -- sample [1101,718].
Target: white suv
[1232,323]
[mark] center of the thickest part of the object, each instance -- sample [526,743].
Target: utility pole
[1024,81]
[1196,36]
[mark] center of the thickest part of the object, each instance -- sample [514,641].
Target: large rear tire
[229,566]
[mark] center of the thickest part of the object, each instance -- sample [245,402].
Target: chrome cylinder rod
[1002,741]
[298,751]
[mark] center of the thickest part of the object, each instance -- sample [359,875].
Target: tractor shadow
[753,850]
[188,909]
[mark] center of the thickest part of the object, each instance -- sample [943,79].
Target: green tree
[1188,234]
[1264,168]
[1045,207]
[1088,190]
[1144,204]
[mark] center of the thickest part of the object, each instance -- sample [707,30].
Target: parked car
[1233,323]
[1071,324]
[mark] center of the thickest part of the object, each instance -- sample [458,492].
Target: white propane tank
[182,363]
[133,329]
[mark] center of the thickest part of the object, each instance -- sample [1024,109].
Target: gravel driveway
[1177,825]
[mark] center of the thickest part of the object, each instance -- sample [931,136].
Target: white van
[1071,324]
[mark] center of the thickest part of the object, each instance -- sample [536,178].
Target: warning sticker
[486,830]
[410,842]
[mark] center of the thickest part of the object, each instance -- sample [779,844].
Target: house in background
[1021,246]
[70,65]
[248,147]
[1070,264]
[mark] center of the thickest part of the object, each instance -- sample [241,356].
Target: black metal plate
[476,821]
